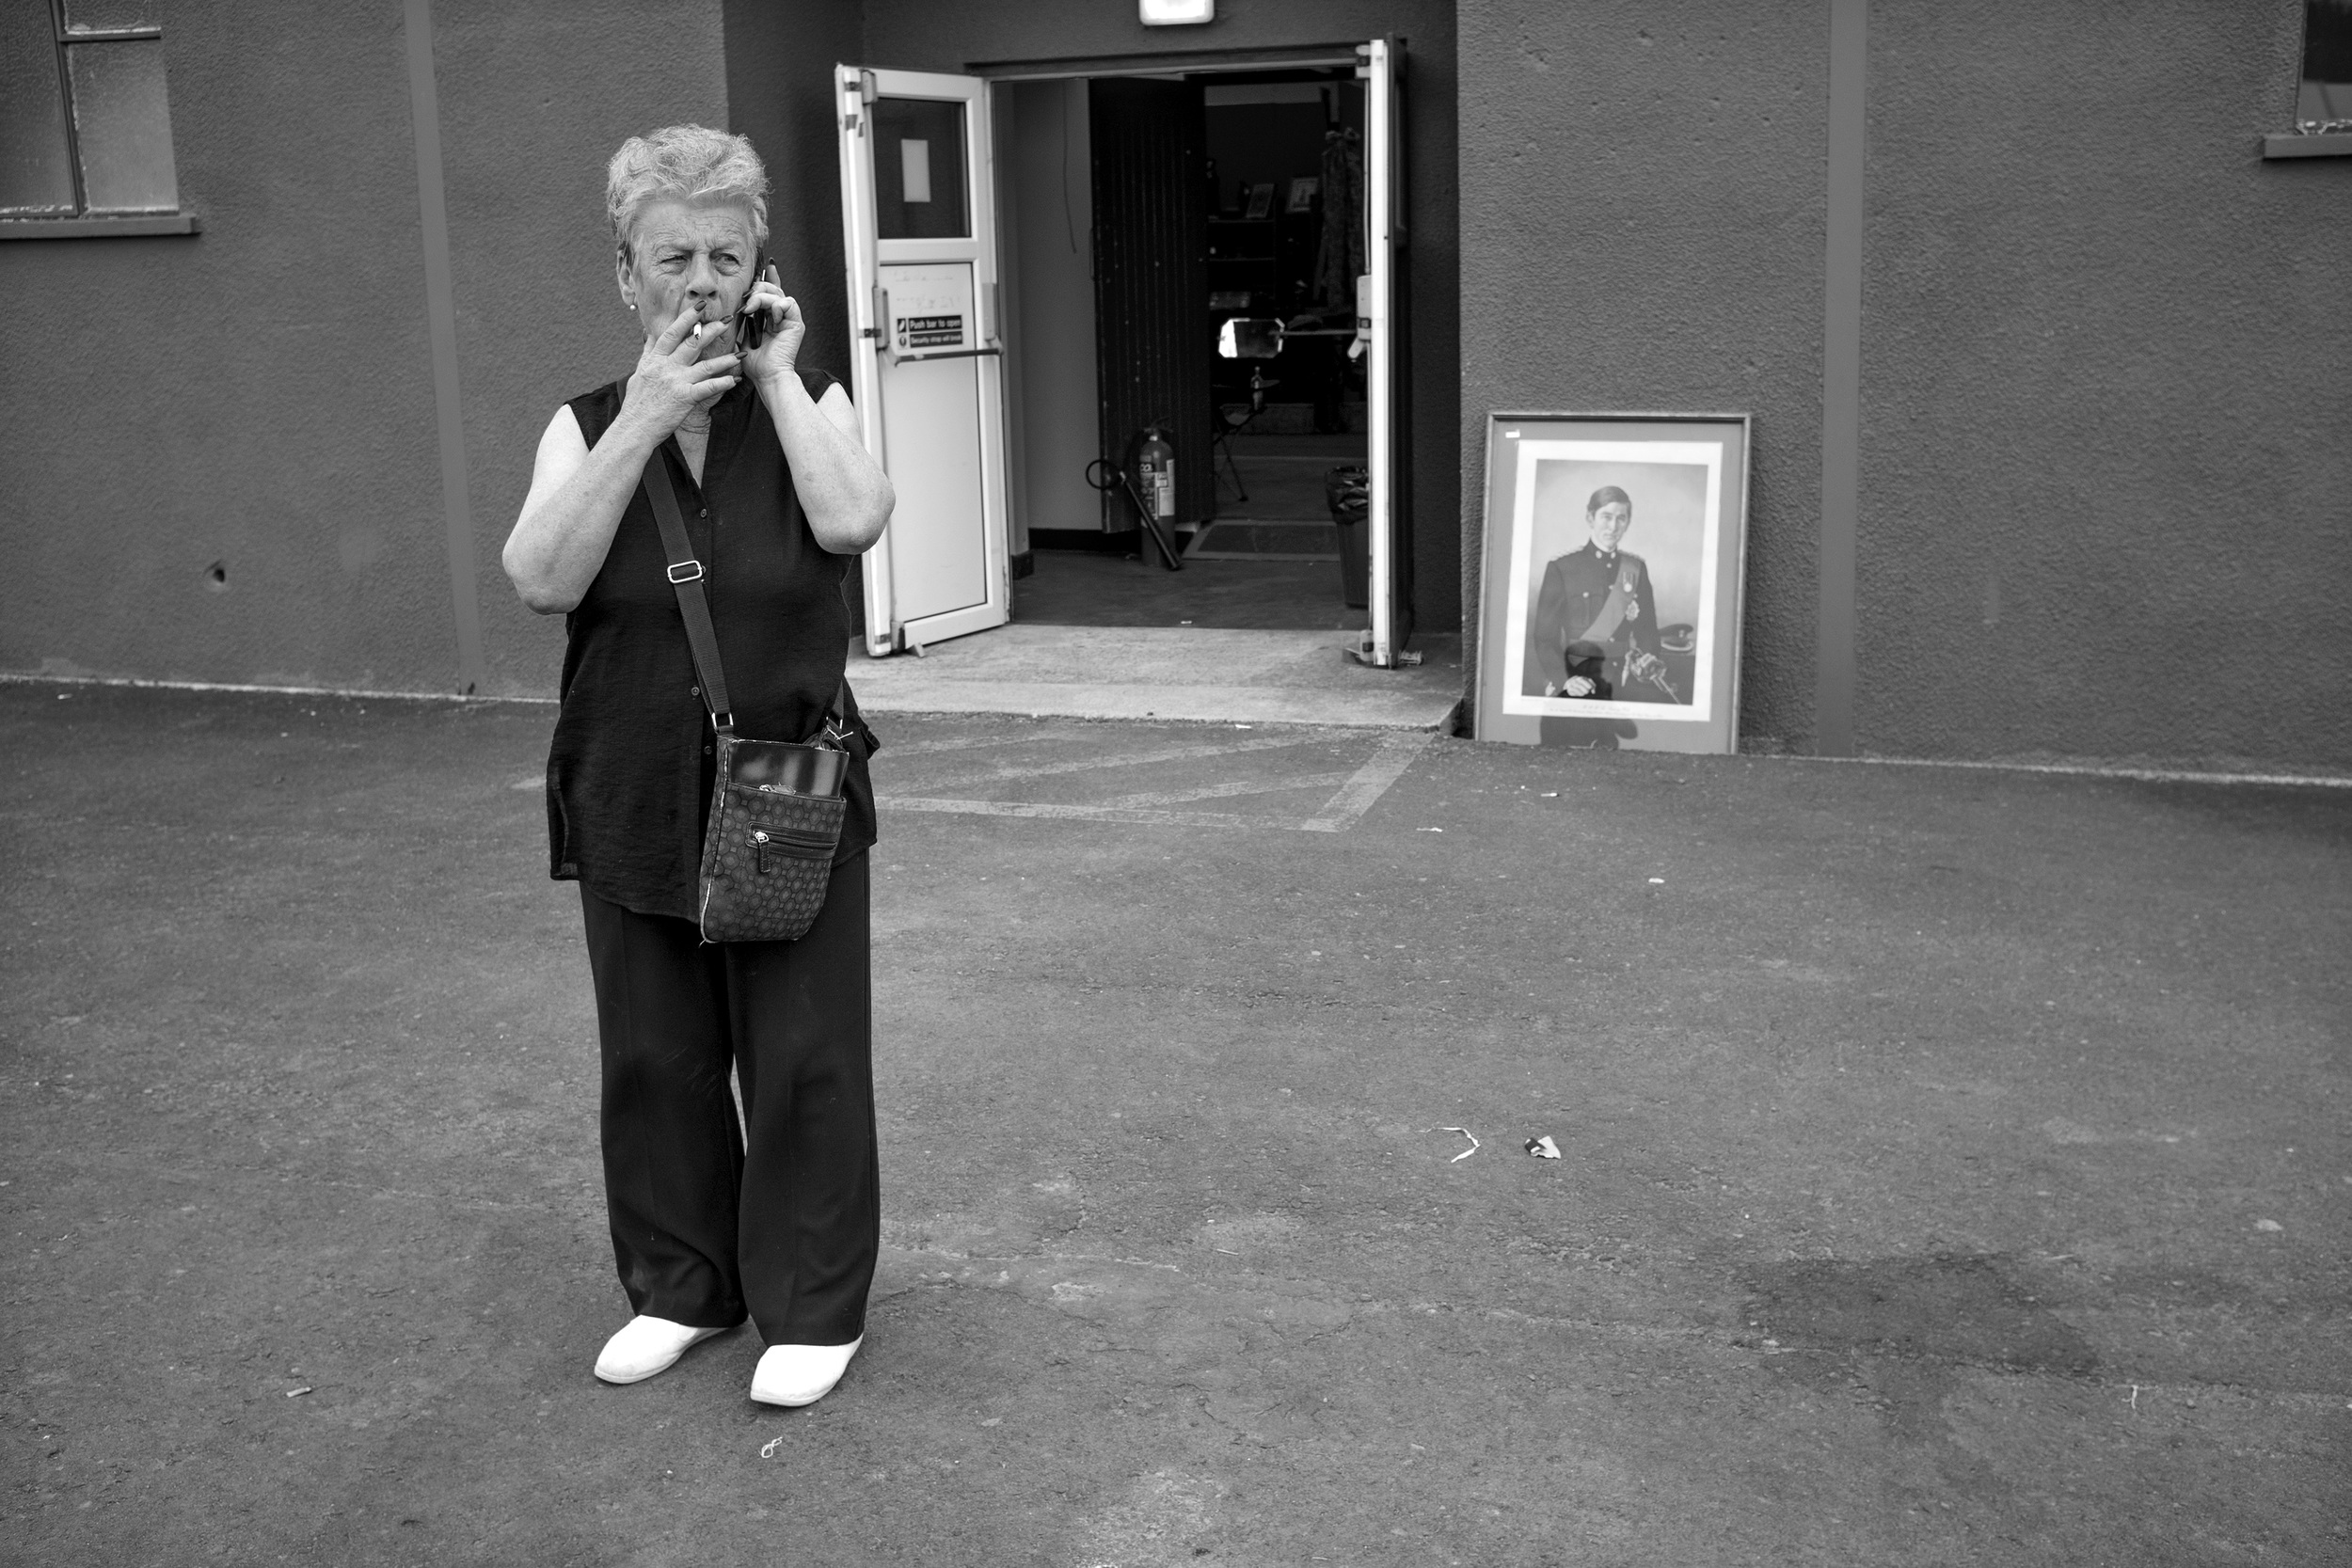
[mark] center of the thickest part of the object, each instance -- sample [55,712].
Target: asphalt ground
[1953,1163]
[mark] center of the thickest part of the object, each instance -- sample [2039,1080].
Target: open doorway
[1181,256]
[1137,331]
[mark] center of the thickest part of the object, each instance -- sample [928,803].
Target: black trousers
[781,1217]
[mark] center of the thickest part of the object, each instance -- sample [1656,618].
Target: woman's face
[697,253]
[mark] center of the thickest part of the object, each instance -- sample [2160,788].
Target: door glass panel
[35,175]
[918,170]
[102,16]
[123,122]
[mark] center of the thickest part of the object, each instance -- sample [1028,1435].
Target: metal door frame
[864,253]
[1380,299]
[1378,64]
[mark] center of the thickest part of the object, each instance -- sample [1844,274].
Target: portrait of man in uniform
[1594,632]
[1611,586]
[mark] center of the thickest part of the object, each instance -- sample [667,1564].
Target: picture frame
[1612,583]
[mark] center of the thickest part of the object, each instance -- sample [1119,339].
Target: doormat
[1252,539]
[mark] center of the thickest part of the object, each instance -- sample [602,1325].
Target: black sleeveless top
[630,775]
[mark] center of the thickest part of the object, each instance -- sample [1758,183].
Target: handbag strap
[686,578]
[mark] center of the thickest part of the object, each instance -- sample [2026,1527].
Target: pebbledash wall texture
[2106,416]
[2106,435]
[2106,506]
[1643,232]
[261,395]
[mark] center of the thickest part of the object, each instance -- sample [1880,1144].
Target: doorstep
[1206,674]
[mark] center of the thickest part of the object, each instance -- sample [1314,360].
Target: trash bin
[1347,491]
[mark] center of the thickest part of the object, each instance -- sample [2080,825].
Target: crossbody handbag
[776,806]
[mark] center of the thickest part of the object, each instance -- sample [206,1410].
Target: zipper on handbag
[788,843]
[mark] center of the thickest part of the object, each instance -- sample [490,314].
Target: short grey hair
[683,162]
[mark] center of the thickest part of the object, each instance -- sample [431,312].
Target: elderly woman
[780,1220]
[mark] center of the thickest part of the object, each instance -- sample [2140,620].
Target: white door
[1380,330]
[926,356]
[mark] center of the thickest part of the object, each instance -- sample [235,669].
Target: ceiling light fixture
[1176,13]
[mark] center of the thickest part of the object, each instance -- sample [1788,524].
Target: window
[2323,104]
[84,119]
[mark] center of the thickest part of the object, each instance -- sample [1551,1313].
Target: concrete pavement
[1954,1164]
[1202,673]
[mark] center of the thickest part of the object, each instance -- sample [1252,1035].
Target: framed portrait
[1611,601]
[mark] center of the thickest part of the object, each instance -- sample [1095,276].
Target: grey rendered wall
[953,35]
[263,394]
[780,60]
[2106,489]
[2106,504]
[1643,220]
[536,96]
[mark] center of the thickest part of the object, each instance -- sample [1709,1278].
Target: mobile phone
[750,327]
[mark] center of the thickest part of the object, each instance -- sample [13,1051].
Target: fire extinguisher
[1155,465]
[1149,485]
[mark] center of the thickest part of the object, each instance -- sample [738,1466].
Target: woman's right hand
[670,384]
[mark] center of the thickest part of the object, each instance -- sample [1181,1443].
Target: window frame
[83,224]
[2304,142]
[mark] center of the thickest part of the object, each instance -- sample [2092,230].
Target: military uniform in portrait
[1594,617]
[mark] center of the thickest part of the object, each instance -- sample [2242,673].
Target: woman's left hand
[778,352]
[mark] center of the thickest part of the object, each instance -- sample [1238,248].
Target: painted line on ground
[37,677]
[1356,793]
[1131,815]
[970,742]
[1232,787]
[2095,771]
[1130,759]
[1372,781]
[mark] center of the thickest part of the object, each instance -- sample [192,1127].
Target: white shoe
[801,1374]
[645,1346]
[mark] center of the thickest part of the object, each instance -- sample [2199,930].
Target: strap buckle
[687,571]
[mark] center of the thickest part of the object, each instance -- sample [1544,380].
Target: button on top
[703,511]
